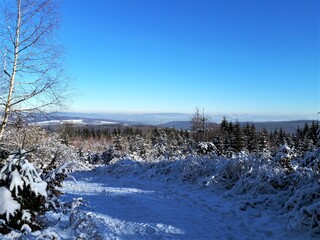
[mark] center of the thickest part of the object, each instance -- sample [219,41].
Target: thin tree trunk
[13,73]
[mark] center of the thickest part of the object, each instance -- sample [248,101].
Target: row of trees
[233,137]
[228,139]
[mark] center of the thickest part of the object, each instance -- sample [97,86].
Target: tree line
[228,139]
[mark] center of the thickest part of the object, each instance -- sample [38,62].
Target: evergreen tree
[313,132]
[263,144]
[224,126]
[250,137]
[237,137]
[298,140]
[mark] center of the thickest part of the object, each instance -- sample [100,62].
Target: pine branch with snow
[23,195]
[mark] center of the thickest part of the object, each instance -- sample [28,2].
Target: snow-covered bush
[46,147]
[93,158]
[103,157]
[251,176]
[206,148]
[295,192]
[85,226]
[232,171]
[51,151]
[24,195]
[284,156]
[23,137]
[303,207]
[139,147]
[121,167]
[312,161]
[4,154]
[197,169]
[107,155]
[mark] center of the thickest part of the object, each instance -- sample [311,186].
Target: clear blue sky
[254,57]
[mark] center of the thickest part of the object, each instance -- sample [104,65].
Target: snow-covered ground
[134,206]
[196,197]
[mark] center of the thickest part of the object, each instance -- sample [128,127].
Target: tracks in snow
[134,208]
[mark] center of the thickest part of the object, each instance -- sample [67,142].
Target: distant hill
[170,120]
[288,126]
[186,125]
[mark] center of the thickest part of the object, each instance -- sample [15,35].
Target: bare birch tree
[199,121]
[32,78]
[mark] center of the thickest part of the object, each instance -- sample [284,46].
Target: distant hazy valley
[170,120]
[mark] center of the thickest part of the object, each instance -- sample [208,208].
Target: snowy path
[133,208]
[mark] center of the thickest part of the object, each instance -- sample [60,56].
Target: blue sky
[229,57]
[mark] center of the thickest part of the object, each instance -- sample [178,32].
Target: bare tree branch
[32,79]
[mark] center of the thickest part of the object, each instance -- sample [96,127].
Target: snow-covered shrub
[93,158]
[195,169]
[22,137]
[264,154]
[303,207]
[74,222]
[51,151]
[121,167]
[107,155]
[23,195]
[4,154]
[85,226]
[54,178]
[47,147]
[139,147]
[165,168]
[247,174]
[234,169]
[312,161]
[284,156]
[206,148]
[296,192]
[103,157]
[159,149]
[260,179]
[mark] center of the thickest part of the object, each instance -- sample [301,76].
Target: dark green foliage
[30,200]
[30,193]
[4,154]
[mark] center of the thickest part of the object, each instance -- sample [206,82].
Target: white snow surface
[74,121]
[184,199]
[16,181]
[134,206]
[8,205]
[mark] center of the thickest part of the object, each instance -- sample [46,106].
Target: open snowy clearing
[134,207]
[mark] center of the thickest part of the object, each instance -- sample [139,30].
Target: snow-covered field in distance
[74,121]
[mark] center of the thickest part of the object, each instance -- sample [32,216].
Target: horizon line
[246,117]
